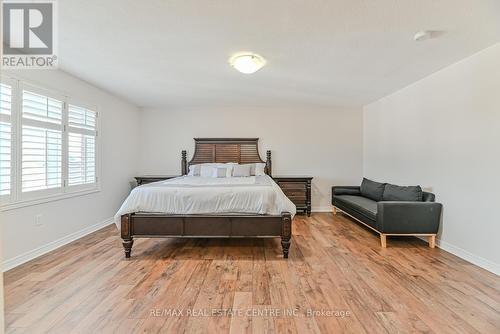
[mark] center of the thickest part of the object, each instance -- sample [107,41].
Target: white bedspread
[205,195]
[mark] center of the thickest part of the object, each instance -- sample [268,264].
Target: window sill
[53,198]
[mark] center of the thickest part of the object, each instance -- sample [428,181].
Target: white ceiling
[161,53]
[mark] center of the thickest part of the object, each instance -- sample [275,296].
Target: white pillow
[228,166]
[241,170]
[229,171]
[219,172]
[195,170]
[206,171]
[257,169]
[260,169]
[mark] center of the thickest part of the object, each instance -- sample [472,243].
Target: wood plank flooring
[336,280]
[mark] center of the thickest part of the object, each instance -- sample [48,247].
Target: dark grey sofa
[389,209]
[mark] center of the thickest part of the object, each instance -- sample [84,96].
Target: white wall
[66,218]
[443,132]
[324,143]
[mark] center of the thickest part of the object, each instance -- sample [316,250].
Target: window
[81,145]
[48,145]
[41,142]
[5,139]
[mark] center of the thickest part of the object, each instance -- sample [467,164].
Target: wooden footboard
[144,225]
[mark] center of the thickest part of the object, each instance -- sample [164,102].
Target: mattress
[191,195]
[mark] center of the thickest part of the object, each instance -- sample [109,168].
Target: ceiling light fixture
[247,62]
[422,35]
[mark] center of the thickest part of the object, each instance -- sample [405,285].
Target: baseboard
[465,255]
[28,256]
[321,209]
[469,257]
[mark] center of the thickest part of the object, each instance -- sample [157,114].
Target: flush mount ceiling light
[422,35]
[247,62]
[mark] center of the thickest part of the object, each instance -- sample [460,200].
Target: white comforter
[205,195]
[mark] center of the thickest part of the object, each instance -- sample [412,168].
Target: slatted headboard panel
[240,150]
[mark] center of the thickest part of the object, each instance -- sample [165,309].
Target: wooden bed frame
[209,150]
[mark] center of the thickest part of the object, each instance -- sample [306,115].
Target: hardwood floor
[335,266]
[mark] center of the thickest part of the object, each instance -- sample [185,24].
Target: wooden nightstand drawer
[295,192]
[301,205]
[292,185]
[297,199]
[297,189]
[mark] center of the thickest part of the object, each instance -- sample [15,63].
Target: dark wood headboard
[240,150]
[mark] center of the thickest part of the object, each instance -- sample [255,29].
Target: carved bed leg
[126,234]
[286,232]
[127,245]
[285,244]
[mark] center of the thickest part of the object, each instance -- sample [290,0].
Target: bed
[198,207]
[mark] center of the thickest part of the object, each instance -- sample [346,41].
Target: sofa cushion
[398,193]
[362,205]
[371,189]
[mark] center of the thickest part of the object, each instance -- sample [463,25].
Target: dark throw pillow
[398,193]
[371,189]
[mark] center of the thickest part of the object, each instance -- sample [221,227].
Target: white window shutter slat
[81,118]
[81,159]
[41,108]
[5,139]
[81,145]
[41,145]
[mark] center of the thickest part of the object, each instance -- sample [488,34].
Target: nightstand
[153,178]
[298,190]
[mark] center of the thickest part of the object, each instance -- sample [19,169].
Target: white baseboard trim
[321,209]
[469,257]
[28,256]
[465,255]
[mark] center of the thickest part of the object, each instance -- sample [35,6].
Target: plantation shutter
[5,139]
[82,132]
[41,143]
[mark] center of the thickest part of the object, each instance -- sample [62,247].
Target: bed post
[184,168]
[286,232]
[269,164]
[126,233]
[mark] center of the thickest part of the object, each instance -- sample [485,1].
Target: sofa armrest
[346,190]
[408,217]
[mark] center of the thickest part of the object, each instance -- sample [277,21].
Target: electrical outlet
[38,220]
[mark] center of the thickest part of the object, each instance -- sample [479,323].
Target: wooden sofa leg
[334,210]
[383,240]
[432,241]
